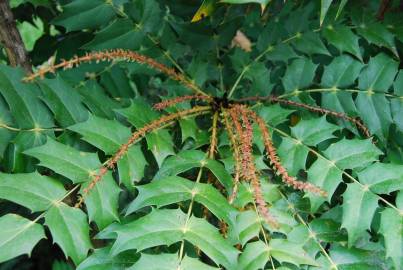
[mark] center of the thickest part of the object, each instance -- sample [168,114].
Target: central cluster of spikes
[238,120]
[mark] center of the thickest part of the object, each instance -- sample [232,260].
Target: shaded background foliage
[71,122]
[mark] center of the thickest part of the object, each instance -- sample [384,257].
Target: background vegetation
[55,133]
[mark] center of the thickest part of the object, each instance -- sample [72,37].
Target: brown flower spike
[237,118]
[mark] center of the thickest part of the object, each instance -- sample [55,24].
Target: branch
[135,137]
[173,101]
[354,120]
[237,156]
[275,160]
[11,39]
[383,8]
[249,171]
[115,55]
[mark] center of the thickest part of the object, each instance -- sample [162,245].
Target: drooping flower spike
[136,136]
[116,55]
[237,118]
[244,135]
[355,121]
[275,160]
[171,102]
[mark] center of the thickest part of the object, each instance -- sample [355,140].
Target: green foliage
[391,227]
[165,204]
[32,190]
[69,230]
[19,235]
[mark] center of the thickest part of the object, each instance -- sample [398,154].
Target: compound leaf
[324,7]
[101,259]
[378,34]
[131,166]
[254,256]
[65,160]
[248,225]
[341,72]
[167,226]
[202,234]
[189,159]
[375,108]
[343,39]
[292,155]
[102,201]
[325,175]
[18,236]
[310,43]
[25,106]
[314,131]
[160,141]
[160,227]
[375,111]
[392,231]
[82,14]
[274,114]
[121,34]
[382,178]
[352,153]
[299,74]
[379,74]
[109,135]
[64,102]
[287,251]
[176,189]
[168,261]
[359,207]
[32,190]
[70,230]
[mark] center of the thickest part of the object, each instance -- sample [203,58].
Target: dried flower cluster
[237,117]
[171,102]
[136,136]
[355,121]
[244,135]
[114,55]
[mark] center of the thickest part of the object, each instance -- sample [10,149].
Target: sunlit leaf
[165,227]
[205,10]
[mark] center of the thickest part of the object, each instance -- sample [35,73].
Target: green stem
[53,204]
[199,175]
[38,129]
[331,163]
[335,90]
[189,212]
[166,54]
[312,234]
[270,48]
[265,237]
[238,80]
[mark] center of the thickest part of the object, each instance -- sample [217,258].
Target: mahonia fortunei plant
[284,157]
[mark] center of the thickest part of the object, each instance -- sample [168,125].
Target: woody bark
[11,39]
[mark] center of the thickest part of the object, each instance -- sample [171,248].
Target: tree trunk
[383,8]
[11,38]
